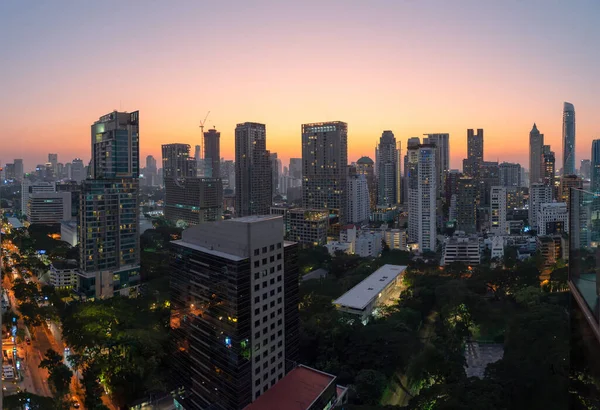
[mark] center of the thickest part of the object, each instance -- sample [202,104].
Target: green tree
[33,401]
[369,385]
[92,387]
[59,375]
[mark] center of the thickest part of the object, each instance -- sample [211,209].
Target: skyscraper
[53,160]
[549,167]
[177,162]
[234,307]
[212,154]
[585,168]
[388,170]
[365,166]
[510,174]
[77,170]
[151,171]
[538,194]
[474,153]
[466,205]
[536,149]
[442,157]
[325,164]
[595,167]
[275,172]
[108,220]
[358,199]
[253,175]
[498,208]
[568,138]
[422,196]
[18,168]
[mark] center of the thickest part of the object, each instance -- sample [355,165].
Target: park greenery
[418,344]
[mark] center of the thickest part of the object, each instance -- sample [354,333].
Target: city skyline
[276,85]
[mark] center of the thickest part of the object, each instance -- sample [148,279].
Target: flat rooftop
[296,391]
[254,218]
[362,294]
[220,254]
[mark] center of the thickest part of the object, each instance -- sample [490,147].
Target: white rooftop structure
[362,298]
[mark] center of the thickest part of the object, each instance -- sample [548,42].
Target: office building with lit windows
[192,201]
[109,207]
[324,169]
[234,311]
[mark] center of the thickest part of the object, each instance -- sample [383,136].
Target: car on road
[28,340]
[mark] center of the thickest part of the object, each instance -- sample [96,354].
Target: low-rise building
[63,274]
[379,288]
[395,239]
[461,248]
[69,232]
[497,247]
[308,226]
[363,243]
[303,388]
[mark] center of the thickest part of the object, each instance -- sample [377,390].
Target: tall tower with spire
[536,152]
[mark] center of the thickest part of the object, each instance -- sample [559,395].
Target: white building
[497,247]
[422,191]
[462,248]
[28,188]
[358,199]
[377,289]
[538,194]
[395,239]
[498,224]
[49,207]
[63,274]
[355,241]
[69,232]
[553,218]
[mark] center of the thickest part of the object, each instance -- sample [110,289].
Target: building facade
[498,208]
[388,170]
[510,174]
[536,149]
[442,156]
[538,194]
[466,205]
[465,249]
[358,199]
[109,237]
[177,162]
[49,207]
[253,174]
[474,153]
[308,226]
[422,197]
[233,319]
[553,219]
[324,168]
[568,139]
[595,167]
[212,154]
[192,201]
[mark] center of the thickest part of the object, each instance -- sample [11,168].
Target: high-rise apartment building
[234,311]
[442,156]
[388,170]
[366,167]
[177,162]
[568,139]
[538,194]
[498,208]
[108,218]
[474,153]
[466,205]
[549,167]
[451,184]
[212,154]
[296,167]
[422,194]
[489,176]
[53,160]
[412,142]
[253,174]
[566,183]
[358,199]
[510,174]
[324,168]
[77,170]
[536,150]
[192,201]
[18,170]
[275,172]
[595,167]
[585,168]
[228,174]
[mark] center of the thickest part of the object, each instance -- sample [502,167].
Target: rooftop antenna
[202,123]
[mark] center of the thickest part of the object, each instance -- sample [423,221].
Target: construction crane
[203,122]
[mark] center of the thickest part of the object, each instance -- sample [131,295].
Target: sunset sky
[410,66]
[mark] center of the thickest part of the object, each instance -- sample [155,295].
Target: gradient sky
[410,66]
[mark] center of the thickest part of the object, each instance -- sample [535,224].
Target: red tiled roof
[296,391]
